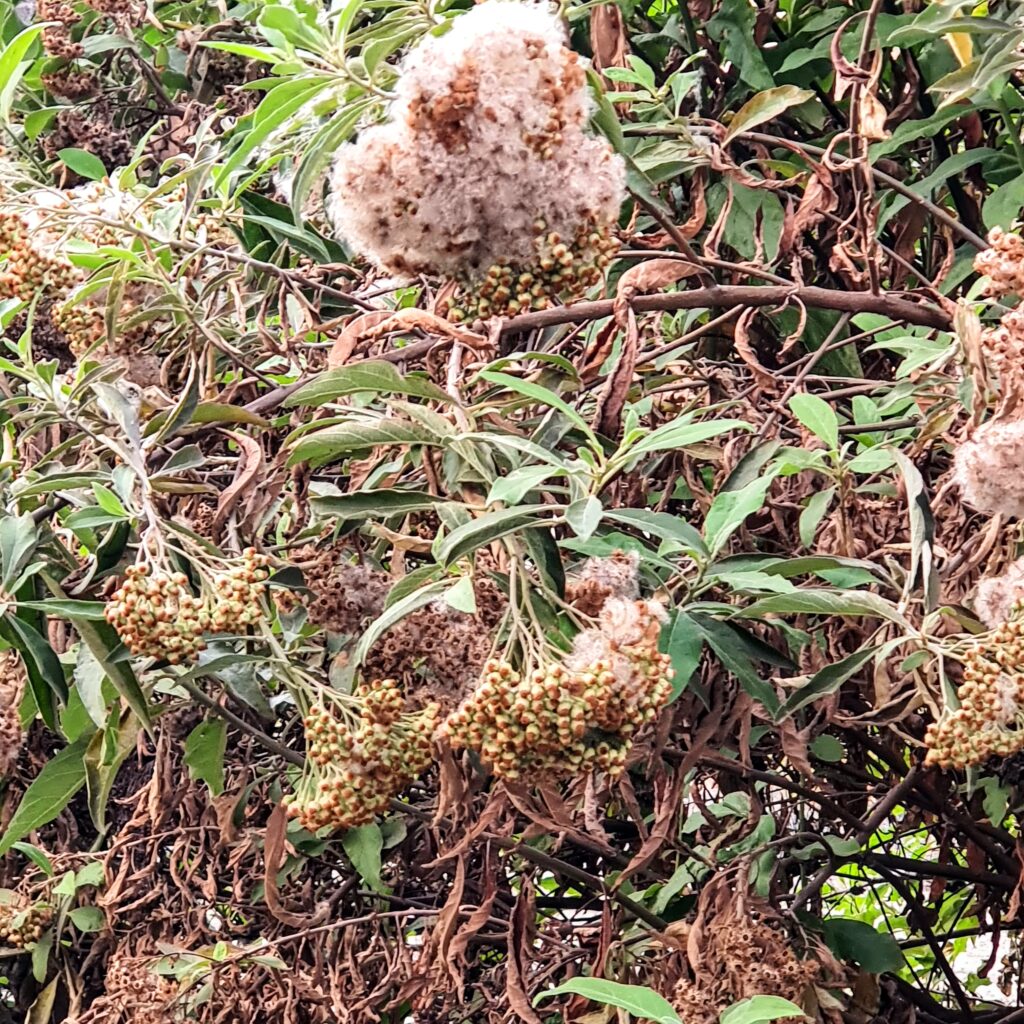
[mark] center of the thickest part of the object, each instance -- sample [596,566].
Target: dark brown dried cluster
[990,720]
[70,84]
[560,720]
[57,38]
[358,760]
[742,956]
[133,994]
[92,130]
[156,614]
[343,595]
[21,922]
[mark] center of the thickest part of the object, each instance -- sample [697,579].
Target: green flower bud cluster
[990,720]
[21,925]
[559,722]
[357,764]
[26,270]
[563,269]
[157,615]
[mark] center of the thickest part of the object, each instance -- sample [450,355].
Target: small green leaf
[204,753]
[765,106]
[760,1008]
[640,1001]
[83,163]
[818,417]
[486,528]
[363,846]
[827,748]
[348,438]
[375,376]
[812,514]
[461,597]
[849,939]
[584,516]
[88,919]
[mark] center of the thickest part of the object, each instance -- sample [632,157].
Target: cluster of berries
[156,614]
[566,719]
[990,719]
[27,269]
[358,761]
[562,271]
[20,924]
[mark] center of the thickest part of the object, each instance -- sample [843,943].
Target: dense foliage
[511,514]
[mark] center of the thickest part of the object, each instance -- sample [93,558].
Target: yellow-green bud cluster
[559,722]
[564,268]
[156,614]
[990,720]
[21,925]
[357,762]
[26,270]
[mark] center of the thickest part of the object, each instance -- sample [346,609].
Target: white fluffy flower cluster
[998,597]
[989,467]
[485,164]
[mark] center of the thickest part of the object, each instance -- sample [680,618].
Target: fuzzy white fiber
[990,468]
[486,139]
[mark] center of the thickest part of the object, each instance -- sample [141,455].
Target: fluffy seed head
[989,467]
[486,141]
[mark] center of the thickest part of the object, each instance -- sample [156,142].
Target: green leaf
[93,611]
[584,516]
[394,612]
[679,434]
[322,148]
[486,528]
[825,601]
[376,376]
[733,28]
[274,110]
[812,513]
[50,792]
[760,1008]
[826,681]
[462,597]
[730,509]
[19,537]
[818,417]
[661,525]
[204,753]
[997,799]
[642,1002]
[348,438]
[103,759]
[765,106]
[539,394]
[363,846]
[852,940]
[684,646]
[88,679]
[377,503]
[83,163]
[512,488]
[827,748]
[37,856]
[13,66]
[88,919]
